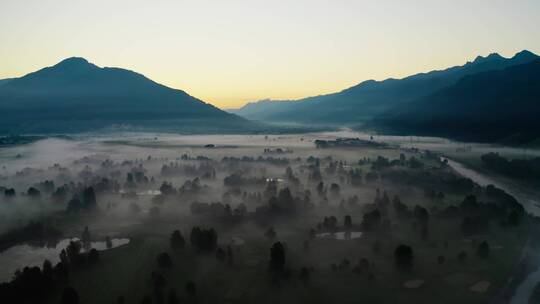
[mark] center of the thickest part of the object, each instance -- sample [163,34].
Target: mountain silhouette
[368,99]
[502,105]
[75,95]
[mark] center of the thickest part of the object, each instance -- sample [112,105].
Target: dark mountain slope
[370,98]
[75,95]
[490,106]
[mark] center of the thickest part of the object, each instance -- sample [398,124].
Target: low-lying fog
[147,185]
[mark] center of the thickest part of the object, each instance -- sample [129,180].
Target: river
[524,291]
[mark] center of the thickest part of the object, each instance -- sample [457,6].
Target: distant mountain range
[376,103]
[501,105]
[364,101]
[75,95]
[489,99]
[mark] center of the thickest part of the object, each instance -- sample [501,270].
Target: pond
[20,256]
[237,241]
[341,235]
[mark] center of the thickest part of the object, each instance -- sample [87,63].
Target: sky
[229,52]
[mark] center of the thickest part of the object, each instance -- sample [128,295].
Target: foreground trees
[203,239]
[403,256]
[177,240]
[277,258]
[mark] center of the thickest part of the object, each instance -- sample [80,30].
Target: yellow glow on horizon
[230,52]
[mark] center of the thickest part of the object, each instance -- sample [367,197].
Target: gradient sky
[228,52]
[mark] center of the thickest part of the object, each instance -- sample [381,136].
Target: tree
[270,233]
[462,256]
[191,289]
[73,251]
[203,239]
[33,193]
[403,256]
[220,254]
[47,269]
[164,260]
[173,298]
[421,214]
[89,199]
[93,256]
[108,242]
[334,189]
[74,205]
[372,220]
[85,238]
[69,296]
[441,259]
[177,240]
[304,274]
[277,257]
[9,193]
[230,256]
[401,209]
[347,222]
[514,218]
[483,250]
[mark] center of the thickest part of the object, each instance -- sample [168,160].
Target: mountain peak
[525,55]
[74,62]
[490,57]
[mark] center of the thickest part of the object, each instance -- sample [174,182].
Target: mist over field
[307,151]
[298,217]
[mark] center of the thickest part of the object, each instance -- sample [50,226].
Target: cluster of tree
[292,179]
[355,177]
[177,240]
[136,176]
[334,167]
[372,220]
[84,202]
[237,180]
[204,170]
[33,232]
[33,284]
[277,161]
[433,194]
[277,258]
[191,187]
[219,210]
[519,168]
[330,223]
[476,216]
[277,151]
[440,179]
[158,296]
[205,240]
[284,204]
[197,158]
[225,255]
[347,142]
[403,256]
[9,193]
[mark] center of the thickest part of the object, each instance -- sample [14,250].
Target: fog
[340,203]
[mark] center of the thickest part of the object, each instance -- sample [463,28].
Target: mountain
[75,95]
[501,105]
[366,100]
[4,81]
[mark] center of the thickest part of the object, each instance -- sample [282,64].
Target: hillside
[490,106]
[370,98]
[75,95]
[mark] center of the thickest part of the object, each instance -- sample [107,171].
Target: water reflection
[34,254]
[341,235]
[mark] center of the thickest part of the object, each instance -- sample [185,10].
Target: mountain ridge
[76,95]
[500,105]
[365,100]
